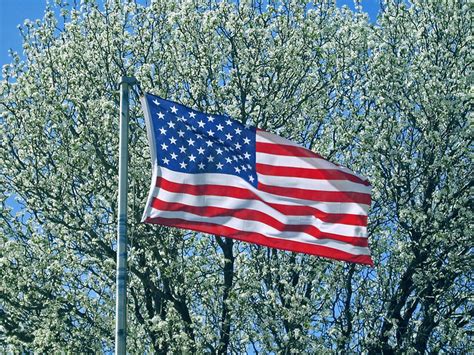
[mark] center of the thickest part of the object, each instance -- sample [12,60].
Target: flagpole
[121,281]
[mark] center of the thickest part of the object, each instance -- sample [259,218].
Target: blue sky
[14,12]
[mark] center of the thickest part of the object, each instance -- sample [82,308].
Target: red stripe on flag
[283,149]
[309,173]
[349,219]
[263,240]
[245,214]
[314,195]
[237,192]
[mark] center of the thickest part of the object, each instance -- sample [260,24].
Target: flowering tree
[388,100]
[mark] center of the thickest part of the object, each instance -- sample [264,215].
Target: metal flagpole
[121,283]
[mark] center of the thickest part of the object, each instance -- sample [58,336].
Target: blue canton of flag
[190,141]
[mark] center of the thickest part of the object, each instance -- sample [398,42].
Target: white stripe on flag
[313,184]
[267,137]
[295,162]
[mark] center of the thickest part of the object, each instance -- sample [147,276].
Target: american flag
[213,174]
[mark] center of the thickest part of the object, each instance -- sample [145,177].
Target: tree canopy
[390,100]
